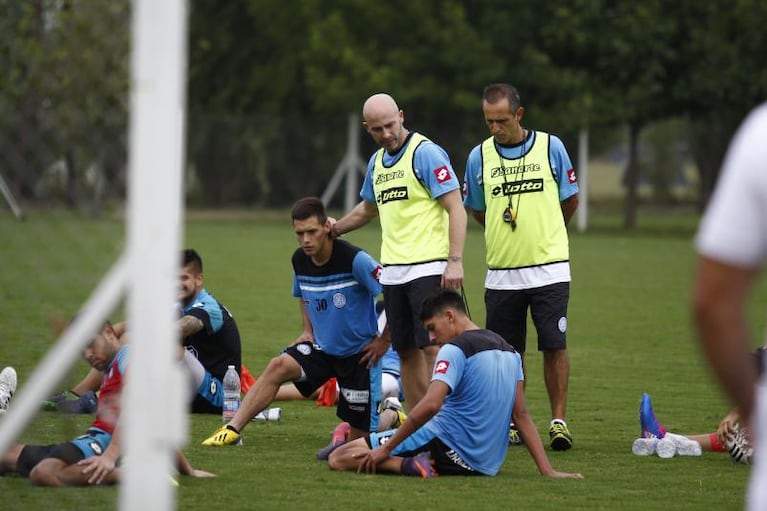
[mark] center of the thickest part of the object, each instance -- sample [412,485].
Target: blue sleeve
[434,169]
[564,174]
[450,364]
[209,312]
[366,271]
[473,194]
[366,193]
[122,359]
[296,289]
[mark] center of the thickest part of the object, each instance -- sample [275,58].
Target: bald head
[383,120]
[379,105]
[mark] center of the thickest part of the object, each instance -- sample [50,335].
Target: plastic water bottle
[268,415]
[231,393]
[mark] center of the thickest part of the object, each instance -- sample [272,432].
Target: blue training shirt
[339,297]
[482,371]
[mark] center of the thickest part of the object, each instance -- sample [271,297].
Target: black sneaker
[561,439]
[514,436]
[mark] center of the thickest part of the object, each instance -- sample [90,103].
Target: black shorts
[507,315]
[359,391]
[31,455]
[446,460]
[403,311]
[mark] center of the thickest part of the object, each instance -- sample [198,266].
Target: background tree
[64,94]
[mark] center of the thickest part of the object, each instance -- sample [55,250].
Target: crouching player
[93,457]
[460,427]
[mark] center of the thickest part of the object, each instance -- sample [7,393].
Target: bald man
[411,186]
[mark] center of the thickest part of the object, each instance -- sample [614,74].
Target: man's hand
[726,427]
[370,460]
[564,475]
[201,473]
[304,337]
[374,351]
[452,278]
[97,468]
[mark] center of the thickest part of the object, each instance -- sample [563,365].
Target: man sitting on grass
[91,458]
[461,426]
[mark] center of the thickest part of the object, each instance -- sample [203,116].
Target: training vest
[541,235]
[414,225]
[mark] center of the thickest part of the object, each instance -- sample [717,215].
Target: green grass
[629,332]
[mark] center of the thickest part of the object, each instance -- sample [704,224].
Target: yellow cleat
[223,436]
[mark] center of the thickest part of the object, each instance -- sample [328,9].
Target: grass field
[629,332]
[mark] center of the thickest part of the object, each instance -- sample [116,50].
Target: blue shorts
[210,395]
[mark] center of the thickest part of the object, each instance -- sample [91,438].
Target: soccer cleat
[338,438]
[561,439]
[644,446]
[651,428]
[400,419]
[223,436]
[8,381]
[514,436]
[738,445]
[392,403]
[419,465]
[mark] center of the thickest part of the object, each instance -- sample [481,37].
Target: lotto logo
[526,186]
[392,194]
[441,367]
[442,174]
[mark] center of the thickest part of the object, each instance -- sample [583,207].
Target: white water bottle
[231,393]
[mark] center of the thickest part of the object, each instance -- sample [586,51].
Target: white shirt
[734,231]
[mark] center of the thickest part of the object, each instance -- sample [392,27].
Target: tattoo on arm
[189,325]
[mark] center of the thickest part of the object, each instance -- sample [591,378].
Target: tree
[721,74]
[65,91]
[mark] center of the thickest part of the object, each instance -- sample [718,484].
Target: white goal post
[153,418]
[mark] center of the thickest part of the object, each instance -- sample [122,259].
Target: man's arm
[451,202]
[532,440]
[185,468]
[569,205]
[375,350]
[189,325]
[721,293]
[307,334]
[361,214]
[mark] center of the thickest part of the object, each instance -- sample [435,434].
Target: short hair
[308,207]
[444,299]
[496,92]
[190,256]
